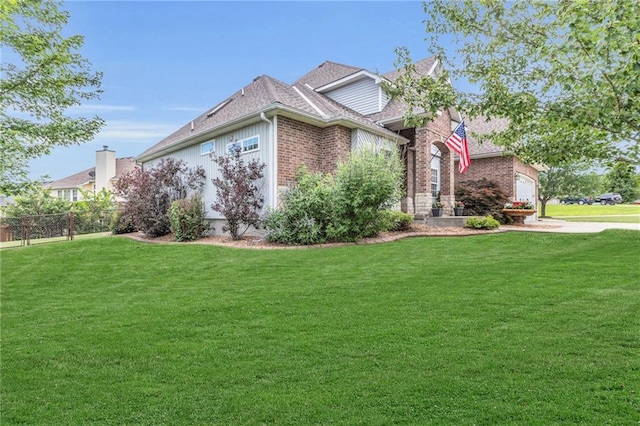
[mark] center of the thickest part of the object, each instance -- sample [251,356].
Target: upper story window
[245,145]
[207,147]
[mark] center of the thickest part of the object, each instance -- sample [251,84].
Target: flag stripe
[457,142]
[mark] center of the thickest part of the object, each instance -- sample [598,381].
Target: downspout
[273,176]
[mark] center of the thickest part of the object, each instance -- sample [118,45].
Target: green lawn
[35,241]
[616,219]
[558,210]
[509,328]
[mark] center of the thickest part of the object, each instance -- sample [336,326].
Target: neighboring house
[106,172]
[317,121]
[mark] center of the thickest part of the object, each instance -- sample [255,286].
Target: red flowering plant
[520,205]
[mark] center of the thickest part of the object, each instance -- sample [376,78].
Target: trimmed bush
[487,222]
[395,220]
[187,219]
[121,223]
[483,197]
[305,213]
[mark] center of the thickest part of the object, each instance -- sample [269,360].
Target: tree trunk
[543,208]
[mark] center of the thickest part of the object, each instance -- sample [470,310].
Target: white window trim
[241,143]
[213,147]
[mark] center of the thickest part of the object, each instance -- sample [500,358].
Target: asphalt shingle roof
[123,165]
[481,126]
[265,91]
[325,73]
[262,92]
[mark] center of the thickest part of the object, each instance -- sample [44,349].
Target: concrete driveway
[562,226]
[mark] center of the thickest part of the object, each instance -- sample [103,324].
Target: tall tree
[565,181]
[43,75]
[565,73]
[622,178]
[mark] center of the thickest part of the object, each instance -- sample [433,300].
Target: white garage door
[526,191]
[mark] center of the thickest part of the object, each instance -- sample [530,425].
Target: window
[60,194]
[74,195]
[245,145]
[435,173]
[207,147]
[435,187]
[251,144]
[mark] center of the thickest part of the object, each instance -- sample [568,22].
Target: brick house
[317,121]
[518,179]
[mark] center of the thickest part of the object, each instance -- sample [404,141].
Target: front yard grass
[510,328]
[608,219]
[558,210]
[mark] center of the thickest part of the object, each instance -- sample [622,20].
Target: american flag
[457,142]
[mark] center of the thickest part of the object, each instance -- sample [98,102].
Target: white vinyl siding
[192,156]
[363,96]
[384,99]
[362,139]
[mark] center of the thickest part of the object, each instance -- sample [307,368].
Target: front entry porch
[442,221]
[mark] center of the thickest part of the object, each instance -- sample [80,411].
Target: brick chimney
[105,168]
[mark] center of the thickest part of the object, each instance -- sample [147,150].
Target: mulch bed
[417,230]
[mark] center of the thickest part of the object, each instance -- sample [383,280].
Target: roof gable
[325,73]
[423,67]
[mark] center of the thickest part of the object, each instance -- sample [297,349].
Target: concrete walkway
[557,225]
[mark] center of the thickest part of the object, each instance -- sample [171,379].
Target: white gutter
[273,175]
[242,121]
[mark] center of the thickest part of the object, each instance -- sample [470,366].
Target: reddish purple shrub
[238,194]
[150,192]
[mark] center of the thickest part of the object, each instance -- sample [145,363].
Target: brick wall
[298,143]
[318,149]
[498,169]
[336,145]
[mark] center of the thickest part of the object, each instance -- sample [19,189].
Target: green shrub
[395,220]
[487,222]
[366,183]
[187,219]
[347,208]
[121,223]
[305,213]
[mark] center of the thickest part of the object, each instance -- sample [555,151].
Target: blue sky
[165,63]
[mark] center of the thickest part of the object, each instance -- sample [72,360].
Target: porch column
[423,194]
[447,182]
